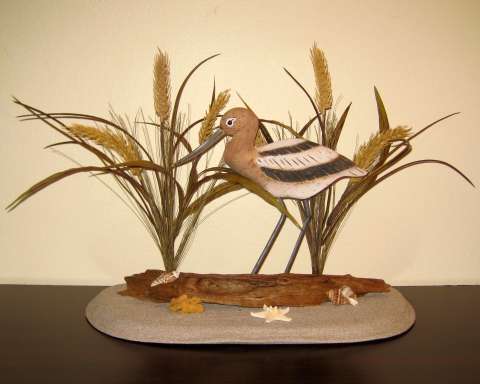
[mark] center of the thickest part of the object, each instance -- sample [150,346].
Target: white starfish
[270,314]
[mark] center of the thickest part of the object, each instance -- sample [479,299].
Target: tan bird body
[288,169]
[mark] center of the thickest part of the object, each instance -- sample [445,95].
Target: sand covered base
[377,316]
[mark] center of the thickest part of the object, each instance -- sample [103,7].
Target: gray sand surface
[377,316]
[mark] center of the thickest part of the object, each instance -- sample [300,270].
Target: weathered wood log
[286,289]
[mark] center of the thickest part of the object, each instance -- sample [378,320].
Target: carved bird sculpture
[288,169]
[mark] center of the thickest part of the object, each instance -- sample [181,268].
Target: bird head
[238,120]
[235,121]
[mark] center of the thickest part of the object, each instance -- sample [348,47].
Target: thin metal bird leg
[270,242]
[306,221]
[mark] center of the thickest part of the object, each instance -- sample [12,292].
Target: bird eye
[230,121]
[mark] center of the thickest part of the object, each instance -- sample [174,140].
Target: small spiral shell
[165,278]
[342,295]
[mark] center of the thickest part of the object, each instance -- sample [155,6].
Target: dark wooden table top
[44,338]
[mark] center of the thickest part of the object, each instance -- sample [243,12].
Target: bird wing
[301,160]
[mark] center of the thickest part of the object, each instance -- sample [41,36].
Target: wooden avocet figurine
[288,169]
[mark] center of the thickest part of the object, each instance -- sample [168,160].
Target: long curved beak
[214,138]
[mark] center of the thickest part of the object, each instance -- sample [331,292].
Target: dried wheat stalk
[112,141]
[369,151]
[161,86]
[323,92]
[217,106]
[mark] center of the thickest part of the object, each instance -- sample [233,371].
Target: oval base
[377,316]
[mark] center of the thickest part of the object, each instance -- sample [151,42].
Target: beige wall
[419,228]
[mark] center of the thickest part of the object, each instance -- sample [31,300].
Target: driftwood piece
[286,289]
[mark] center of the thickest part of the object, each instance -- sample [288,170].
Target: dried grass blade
[254,188]
[333,141]
[432,124]
[317,112]
[128,201]
[223,205]
[306,126]
[59,144]
[51,180]
[355,190]
[182,87]
[283,126]
[142,164]
[383,124]
[426,161]
[215,169]
[46,117]
[36,114]
[184,133]
[337,215]
[211,195]
[181,139]
[212,99]
[56,116]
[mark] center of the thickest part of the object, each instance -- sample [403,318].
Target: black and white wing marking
[299,160]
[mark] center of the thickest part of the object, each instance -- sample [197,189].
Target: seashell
[342,295]
[165,278]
